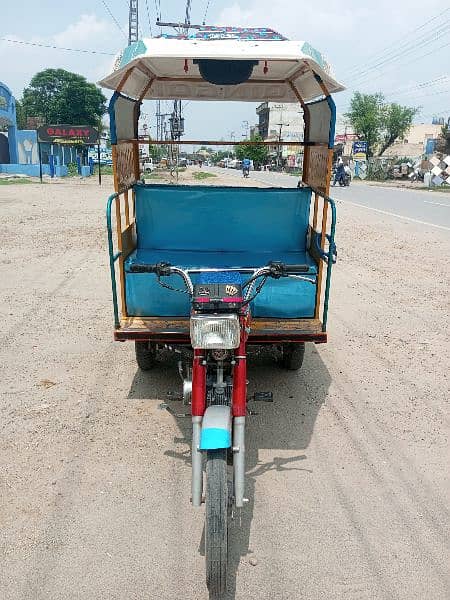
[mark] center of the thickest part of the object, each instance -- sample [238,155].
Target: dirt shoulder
[347,471]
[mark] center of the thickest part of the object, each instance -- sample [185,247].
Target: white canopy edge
[163,62]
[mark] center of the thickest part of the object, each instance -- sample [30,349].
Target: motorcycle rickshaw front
[207,271]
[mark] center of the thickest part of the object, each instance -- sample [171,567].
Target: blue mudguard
[216,428]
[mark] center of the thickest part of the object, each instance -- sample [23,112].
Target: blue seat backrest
[221,218]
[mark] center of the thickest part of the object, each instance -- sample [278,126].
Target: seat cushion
[279,298]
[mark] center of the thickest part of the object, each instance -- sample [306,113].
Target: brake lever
[301,278]
[163,269]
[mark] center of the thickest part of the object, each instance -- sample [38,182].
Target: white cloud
[88,30]
[21,61]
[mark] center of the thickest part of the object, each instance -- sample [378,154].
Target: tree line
[59,96]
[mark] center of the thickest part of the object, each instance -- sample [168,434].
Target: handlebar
[162,269]
[274,269]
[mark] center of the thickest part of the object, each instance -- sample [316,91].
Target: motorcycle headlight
[215,332]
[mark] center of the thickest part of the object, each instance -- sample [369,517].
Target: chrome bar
[239,460]
[197,463]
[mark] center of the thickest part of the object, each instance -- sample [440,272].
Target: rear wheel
[216,523]
[292,356]
[145,355]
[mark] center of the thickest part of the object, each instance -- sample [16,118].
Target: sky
[396,48]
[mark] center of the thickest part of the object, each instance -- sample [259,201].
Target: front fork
[239,410]
[198,406]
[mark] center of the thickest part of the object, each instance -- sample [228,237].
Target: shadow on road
[285,424]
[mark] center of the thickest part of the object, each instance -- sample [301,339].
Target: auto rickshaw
[207,271]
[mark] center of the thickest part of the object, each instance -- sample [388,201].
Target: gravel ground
[347,470]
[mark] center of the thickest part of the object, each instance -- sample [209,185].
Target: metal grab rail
[329,258]
[112,257]
[316,239]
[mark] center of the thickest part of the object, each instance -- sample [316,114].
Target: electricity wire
[85,51]
[187,19]
[206,11]
[114,19]
[158,14]
[420,86]
[410,47]
[370,79]
[148,17]
[388,48]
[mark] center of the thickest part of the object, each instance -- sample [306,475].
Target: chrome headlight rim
[215,331]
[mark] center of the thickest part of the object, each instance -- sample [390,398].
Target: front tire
[216,523]
[293,355]
[145,355]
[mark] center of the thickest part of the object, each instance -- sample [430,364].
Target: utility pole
[176,120]
[133,22]
[279,153]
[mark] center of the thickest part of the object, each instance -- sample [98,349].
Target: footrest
[263,396]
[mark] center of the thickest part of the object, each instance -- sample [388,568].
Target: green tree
[59,96]
[365,116]
[396,122]
[443,143]
[21,117]
[258,153]
[218,156]
[155,151]
[377,122]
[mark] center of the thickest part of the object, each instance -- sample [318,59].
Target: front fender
[216,428]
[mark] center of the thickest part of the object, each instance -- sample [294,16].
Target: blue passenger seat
[207,226]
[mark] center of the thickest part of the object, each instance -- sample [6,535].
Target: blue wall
[8,118]
[31,170]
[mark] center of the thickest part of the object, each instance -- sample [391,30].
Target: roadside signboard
[345,137]
[68,134]
[360,150]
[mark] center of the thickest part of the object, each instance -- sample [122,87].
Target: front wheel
[216,522]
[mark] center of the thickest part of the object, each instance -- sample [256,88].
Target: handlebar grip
[137,268]
[296,268]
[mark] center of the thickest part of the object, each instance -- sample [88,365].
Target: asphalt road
[418,206]
[347,470]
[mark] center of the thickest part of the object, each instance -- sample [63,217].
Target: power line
[85,51]
[370,79]
[378,54]
[187,19]
[420,86]
[408,48]
[114,19]
[158,10]
[206,11]
[148,17]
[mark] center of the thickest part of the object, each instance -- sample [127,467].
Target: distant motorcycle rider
[339,176]
[246,164]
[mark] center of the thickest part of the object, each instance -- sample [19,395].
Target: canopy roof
[161,68]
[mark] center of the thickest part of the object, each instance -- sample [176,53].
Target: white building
[281,122]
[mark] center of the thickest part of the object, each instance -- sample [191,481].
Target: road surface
[414,205]
[347,470]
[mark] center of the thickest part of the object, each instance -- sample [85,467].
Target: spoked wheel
[292,357]
[216,523]
[145,355]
